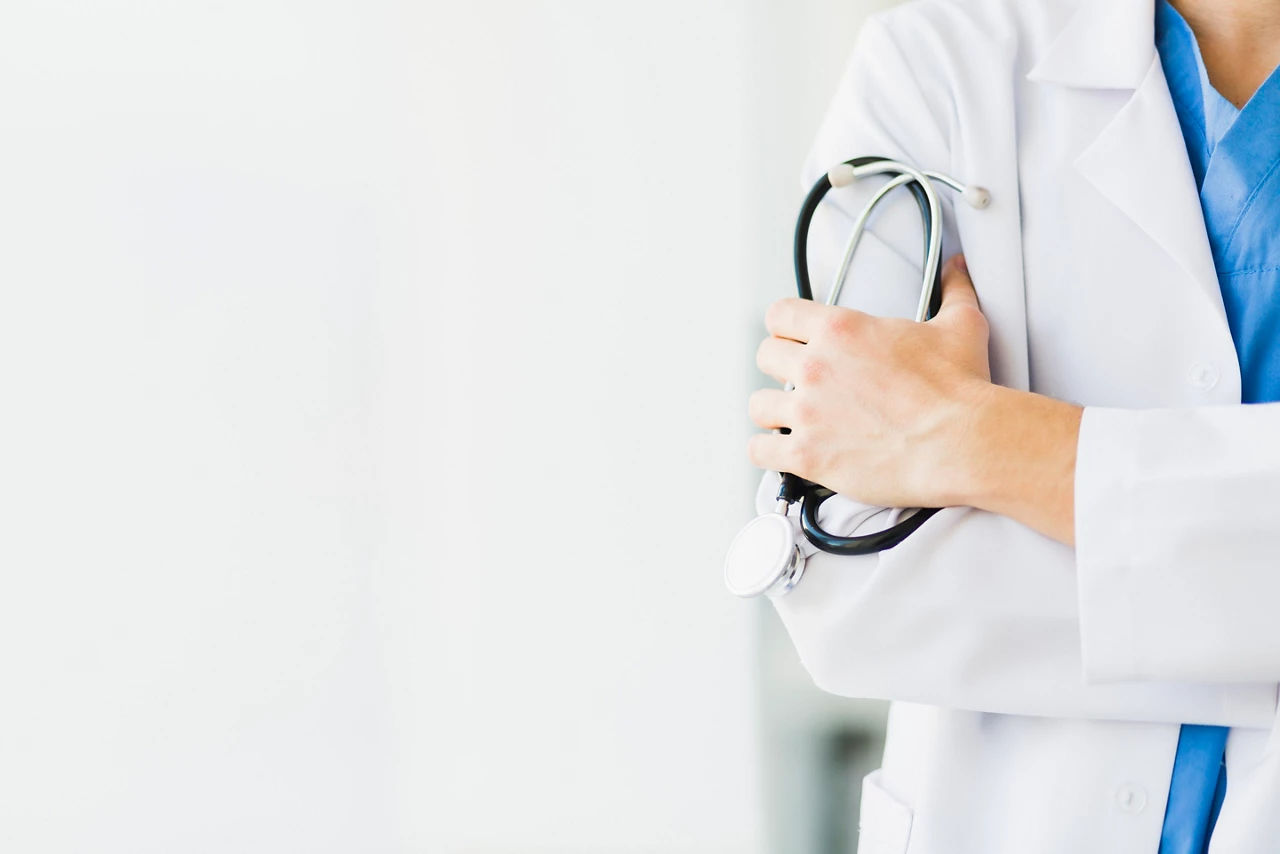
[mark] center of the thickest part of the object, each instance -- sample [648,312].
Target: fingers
[794,318]
[780,358]
[771,408]
[772,451]
[957,287]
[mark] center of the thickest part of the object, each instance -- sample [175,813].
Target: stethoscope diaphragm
[765,557]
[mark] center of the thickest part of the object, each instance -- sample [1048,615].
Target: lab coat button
[1203,376]
[1131,798]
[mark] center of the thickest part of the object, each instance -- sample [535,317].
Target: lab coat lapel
[1138,161]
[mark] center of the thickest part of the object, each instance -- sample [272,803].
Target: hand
[882,406]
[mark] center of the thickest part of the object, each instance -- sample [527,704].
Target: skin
[1239,42]
[903,414]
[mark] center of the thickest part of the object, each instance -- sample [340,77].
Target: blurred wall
[815,747]
[375,379]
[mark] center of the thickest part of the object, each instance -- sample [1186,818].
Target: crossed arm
[988,606]
[899,414]
[1102,562]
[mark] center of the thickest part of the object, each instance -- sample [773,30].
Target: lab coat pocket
[884,826]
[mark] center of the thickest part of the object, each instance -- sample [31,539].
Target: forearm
[1019,460]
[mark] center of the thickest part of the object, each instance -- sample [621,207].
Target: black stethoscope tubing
[811,495]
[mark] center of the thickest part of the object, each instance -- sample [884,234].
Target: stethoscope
[765,556]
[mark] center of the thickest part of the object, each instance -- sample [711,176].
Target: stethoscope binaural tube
[765,558]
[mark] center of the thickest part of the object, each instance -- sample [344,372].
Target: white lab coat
[1040,688]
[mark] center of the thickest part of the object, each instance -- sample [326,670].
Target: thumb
[957,287]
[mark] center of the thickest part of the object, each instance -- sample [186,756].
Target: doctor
[1084,646]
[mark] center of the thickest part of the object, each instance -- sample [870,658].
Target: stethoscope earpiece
[976,197]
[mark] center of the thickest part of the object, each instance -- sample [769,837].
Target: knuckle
[971,318]
[842,322]
[812,370]
[805,411]
[835,324]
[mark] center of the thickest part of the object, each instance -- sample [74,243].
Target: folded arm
[987,606]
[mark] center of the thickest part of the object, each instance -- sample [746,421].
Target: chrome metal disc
[764,558]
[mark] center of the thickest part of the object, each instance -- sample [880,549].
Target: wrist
[982,468]
[1018,459]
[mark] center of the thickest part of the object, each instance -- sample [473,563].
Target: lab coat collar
[1106,44]
[1138,160]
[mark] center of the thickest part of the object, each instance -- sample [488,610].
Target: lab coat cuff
[1108,573]
[1176,538]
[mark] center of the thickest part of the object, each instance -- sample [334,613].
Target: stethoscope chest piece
[764,558]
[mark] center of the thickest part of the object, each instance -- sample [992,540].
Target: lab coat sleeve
[974,610]
[1178,543]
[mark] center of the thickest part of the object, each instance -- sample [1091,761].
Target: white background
[373,380]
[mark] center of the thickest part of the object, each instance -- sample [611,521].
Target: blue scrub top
[1235,156]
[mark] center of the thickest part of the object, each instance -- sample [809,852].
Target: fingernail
[961,265]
